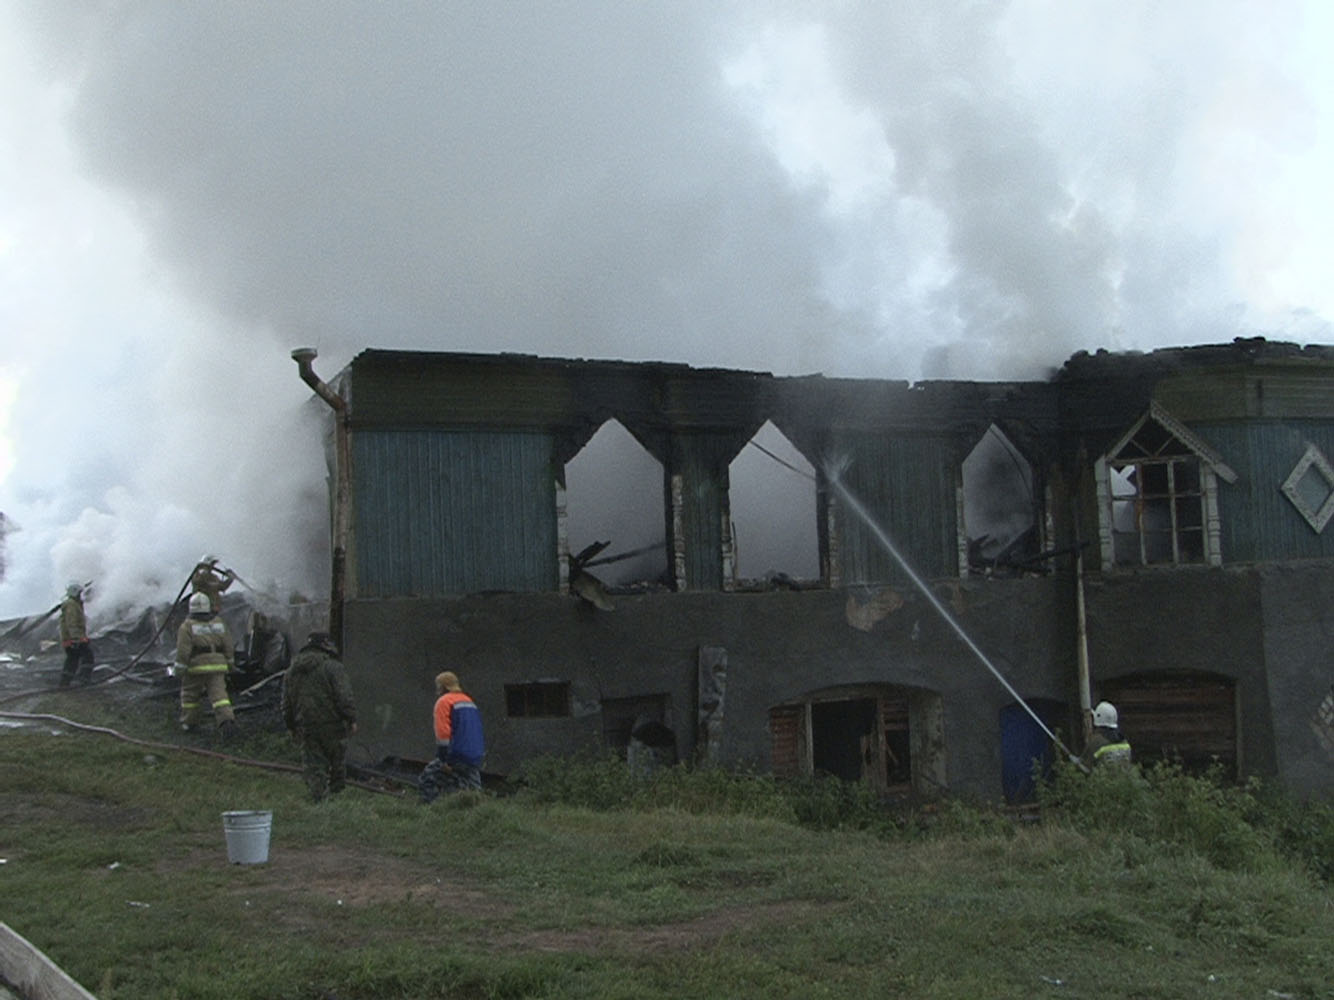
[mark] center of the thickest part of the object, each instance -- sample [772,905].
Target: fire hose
[269,765]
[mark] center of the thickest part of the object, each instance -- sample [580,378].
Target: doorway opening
[889,737]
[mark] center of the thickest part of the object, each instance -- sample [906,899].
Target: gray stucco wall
[781,645]
[1269,630]
[1298,610]
[1189,619]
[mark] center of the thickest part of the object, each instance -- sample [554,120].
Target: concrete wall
[1297,605]
[1269,630]
[781,646]
[1194,619]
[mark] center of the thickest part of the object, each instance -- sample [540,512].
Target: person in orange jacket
[459,745]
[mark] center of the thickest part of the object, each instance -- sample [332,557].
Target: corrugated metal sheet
[1259,523]
[451,512]
[907,484]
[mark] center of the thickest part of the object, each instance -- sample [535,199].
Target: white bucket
[247,835]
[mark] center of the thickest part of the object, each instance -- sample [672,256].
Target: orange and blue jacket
[458,729]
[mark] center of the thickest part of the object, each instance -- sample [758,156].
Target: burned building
[1147,528]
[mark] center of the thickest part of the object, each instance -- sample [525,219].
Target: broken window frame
[1164,485]
[907,720]
[618,715]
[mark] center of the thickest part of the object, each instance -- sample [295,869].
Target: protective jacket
[207,580]
[458,729]
[316,693]
[1107,746]
[73,622]
[204,646]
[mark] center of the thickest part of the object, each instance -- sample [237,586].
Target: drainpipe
[1081,627]
[303,356]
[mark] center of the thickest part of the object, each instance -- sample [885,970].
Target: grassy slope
[115,865]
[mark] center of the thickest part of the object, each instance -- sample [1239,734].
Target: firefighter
[74,638]
[204,654]
[320,713]
[1108,744]
[209,579]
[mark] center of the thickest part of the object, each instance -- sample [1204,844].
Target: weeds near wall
[1242,828]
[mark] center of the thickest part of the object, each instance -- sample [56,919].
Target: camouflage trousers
[195,687]
[439,777]
[324,761]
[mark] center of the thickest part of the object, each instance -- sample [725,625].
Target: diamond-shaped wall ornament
[1310,487]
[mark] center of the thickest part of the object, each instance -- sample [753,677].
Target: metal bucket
[247,835]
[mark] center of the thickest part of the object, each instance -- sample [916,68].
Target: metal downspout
[303,356]
[1081,626]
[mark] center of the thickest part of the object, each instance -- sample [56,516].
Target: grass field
[588,884]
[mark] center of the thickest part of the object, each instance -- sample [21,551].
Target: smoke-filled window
[1000,508]
[614,495]
[774,519]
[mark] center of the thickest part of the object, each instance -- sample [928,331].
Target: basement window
[1158,496]
[775,521]
[1310,487]
[537,699]
[620,716]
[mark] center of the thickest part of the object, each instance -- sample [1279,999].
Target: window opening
[537,699]
[616,510]
[621,716]
[774,514]
[888,738]
[1000,514]
[1158,490]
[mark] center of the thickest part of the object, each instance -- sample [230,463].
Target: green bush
[1162,804]
[1303,830]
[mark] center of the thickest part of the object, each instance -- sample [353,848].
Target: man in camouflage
[319,712]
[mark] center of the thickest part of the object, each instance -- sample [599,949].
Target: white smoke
[942,189]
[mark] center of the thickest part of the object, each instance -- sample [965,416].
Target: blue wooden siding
[453,512]
[701,518]
[1259,523]
[907,484]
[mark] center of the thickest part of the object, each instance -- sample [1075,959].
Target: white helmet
[1104,715]
[200,604]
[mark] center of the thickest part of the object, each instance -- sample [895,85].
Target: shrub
[1161,804]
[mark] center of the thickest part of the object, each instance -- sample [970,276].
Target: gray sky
[917,189]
